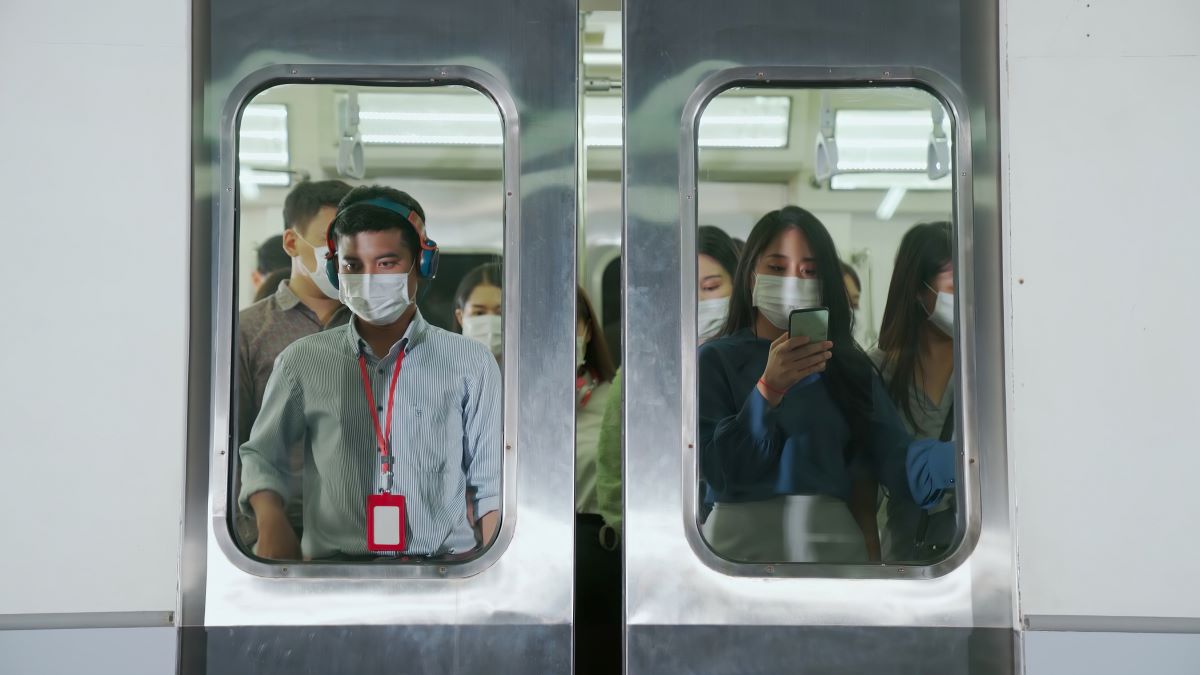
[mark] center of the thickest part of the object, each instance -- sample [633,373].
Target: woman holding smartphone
[795,435]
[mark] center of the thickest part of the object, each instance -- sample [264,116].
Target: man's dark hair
[371,218]
[272,257]
[307,198]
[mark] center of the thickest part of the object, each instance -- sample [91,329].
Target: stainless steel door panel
[678,54]
[513,605]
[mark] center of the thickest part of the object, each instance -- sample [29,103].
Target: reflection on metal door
[509,609]
[686,609]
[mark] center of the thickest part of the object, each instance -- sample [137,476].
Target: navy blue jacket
[750,451]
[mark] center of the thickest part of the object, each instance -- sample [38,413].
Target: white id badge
[385,522]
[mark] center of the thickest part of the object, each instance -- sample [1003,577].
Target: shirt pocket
[427,445]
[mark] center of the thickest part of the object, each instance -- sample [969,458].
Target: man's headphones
[427,258]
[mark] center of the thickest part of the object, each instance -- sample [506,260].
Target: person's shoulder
[726,345]
[884,366]
[877,356]
[323,344]
[724,342]
[253,318]
[463,349]
[601,391]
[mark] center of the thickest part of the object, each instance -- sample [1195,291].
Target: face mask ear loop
[921,304]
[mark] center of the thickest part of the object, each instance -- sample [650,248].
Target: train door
[703,77]
[295,104]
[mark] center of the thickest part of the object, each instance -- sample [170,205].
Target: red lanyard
[382,438]
[584,386]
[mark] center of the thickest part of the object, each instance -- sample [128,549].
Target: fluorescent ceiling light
[458,116]
[883,141]
[268,178]
[489,116]
[263,159]
[727,122]
[601,58]
[265,110]
[461,118]
[432,139]
[891,201]
[263,137]
[887,181]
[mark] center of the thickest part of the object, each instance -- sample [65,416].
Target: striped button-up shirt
[445,436]
[264,330]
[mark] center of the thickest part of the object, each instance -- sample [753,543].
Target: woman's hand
[791,359]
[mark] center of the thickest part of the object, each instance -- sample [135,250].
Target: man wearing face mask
[401,419]
[304,304]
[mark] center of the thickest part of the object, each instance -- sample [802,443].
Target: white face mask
[318,276]
[485,329]
[943,312]
[710,317]
[378,299]
[776,297]
[580,351]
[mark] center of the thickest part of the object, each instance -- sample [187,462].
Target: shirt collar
[285,297]
[417,330]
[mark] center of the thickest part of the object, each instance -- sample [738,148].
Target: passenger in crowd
[303,304]
[270,284]
[795,435]
[477,306]
[858,330]
[597,558]
[271,257]
[716,262]
[478,302]
[853,286]
[916,358]
[387,405]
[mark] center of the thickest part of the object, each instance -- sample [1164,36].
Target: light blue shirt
[445,436]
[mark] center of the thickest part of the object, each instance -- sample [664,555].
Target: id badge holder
[385,522]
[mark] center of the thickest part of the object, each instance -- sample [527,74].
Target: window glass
[825,313]
[369,341]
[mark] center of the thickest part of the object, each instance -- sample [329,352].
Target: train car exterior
[1072,148]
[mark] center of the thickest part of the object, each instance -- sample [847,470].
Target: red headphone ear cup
[330,262]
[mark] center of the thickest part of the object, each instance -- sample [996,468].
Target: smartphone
[812,322]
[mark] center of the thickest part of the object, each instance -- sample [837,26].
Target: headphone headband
[426,258]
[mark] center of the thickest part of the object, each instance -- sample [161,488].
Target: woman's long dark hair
[715,243]
[924,251]
[849,372]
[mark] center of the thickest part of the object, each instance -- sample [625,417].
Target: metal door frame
[686,609]
[511,607]
[800,77]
